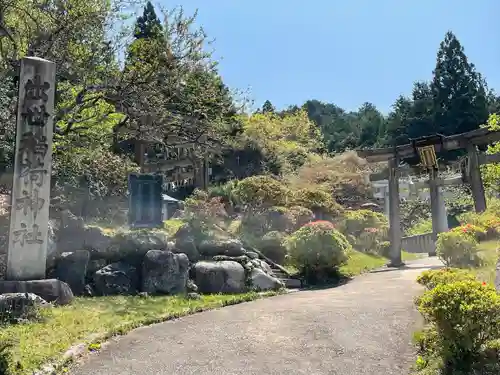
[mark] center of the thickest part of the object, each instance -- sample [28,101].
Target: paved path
[363,327]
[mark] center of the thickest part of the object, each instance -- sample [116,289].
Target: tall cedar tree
[459,94]
[148,26]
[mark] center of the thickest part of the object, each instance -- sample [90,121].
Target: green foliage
[318,250]
[366,230]
[148,25]
[272,246]
[6,346]
[318,200]
[459,94]
[466,316]
[91,181]
[284,142]
[225,192]
[488,221]
[342,176]
[203,213]
[491,172]
[432,278]
[356,222]
[478,233]
[457,249]
[415,213]
[261,192]
[421,227]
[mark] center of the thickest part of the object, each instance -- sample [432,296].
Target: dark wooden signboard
[145,200]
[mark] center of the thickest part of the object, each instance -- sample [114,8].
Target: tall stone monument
[31,182]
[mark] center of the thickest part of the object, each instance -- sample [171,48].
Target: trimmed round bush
[358,221]
[466,315]
[366,230]
[317,200]
[318,249]
[261,191]
[432,278]
[272,246]
[457,249]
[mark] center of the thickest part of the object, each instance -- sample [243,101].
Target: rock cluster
[94,262]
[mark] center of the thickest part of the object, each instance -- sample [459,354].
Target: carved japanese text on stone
[26,235]
[35,113]
[32,169]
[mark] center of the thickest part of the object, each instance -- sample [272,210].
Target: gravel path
[363,327]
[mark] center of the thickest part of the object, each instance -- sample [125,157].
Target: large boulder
[116,278]
[97,241]
[185,232]
[51,290]
[219,277]
[229,247]
[188,247]
[19,306]
[69,233]
[263,266]
[262,281]
[164,272]
[131,246]
[72,268]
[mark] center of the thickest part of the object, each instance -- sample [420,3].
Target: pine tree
[148,26]
[459,96]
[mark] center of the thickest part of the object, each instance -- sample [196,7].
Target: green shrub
[384,248]
[272,246]
[427,340]
[287,219]
[261,191]
[203,212]
[355,222]
[421,227]
[318,249]
[318,200]
[488,221]
[457,249]
[475,231]
[365,229]
[432,278]
[224,191]
[6,347]
[466,316]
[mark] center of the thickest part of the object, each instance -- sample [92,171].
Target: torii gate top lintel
[476,137]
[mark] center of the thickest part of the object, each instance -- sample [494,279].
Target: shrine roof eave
[458,141]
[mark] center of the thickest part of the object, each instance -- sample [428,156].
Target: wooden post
[29,216]
[475,179]
[394,214]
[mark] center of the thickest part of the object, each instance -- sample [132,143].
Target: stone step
[291,283]
[280,275]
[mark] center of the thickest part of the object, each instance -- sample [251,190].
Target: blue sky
[342,51]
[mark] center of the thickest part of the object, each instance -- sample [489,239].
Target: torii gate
[425,150]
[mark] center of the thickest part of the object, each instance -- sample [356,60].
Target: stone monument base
[51,290]
[395,265]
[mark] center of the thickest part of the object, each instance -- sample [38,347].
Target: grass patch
[171,226]
[360,262]
[36,344]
